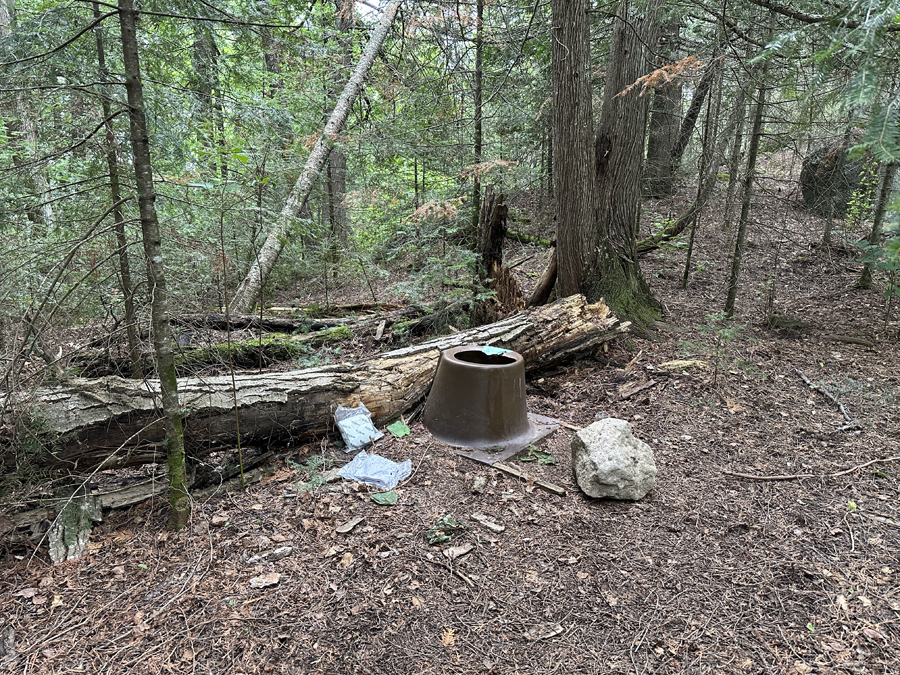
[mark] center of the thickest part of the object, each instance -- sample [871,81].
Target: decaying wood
[544,485]
[281,324]
[32,524]
[545,284]
[850,340]
[115,422]
[292,338]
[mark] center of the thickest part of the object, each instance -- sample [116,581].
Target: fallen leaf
[418,602]
[864,600]
[57,601]
[841,603]
[398,429]
[543,632]
[455,552]
[349,525]
[873,634]
[264,580]
[346,560]
[27,592]
[385,498]
[219,520]
[38,600]
[448,637]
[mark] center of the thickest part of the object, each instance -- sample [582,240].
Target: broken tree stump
[114,422]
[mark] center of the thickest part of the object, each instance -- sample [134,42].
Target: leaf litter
[708,572]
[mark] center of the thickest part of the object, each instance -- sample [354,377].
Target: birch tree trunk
[250,288]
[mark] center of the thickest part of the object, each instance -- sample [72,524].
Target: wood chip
[489,524]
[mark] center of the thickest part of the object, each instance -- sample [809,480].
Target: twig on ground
[795,476]
[851,423]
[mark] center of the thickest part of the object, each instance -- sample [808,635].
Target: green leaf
[385,498]
[539,456]
[399,429]
[142,566]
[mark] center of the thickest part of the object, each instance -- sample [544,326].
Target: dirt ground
[791,567]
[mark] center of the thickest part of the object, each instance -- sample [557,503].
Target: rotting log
[114,422]
[33,522]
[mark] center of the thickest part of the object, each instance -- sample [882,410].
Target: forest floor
[795,570]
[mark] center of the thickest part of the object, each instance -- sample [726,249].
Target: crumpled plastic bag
[355,425]
[376,470]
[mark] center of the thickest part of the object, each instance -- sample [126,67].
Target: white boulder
[610,462]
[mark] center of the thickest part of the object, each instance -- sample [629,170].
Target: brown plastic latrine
[477,398]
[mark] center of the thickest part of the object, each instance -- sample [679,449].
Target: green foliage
[859,206]
[724,329]
[385,498]
[313,467]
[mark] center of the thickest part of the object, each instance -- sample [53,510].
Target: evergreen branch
[813,18]
[93,24]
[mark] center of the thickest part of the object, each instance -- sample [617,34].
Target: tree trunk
[746,196]
[874,239]
[739,118]
[112,164]
[28,130]
[479,55]
[163,340]
[337,160]
[205,61]
[250,288]
[662,133]
[573,151]
[693,112]
[616,275]
[116,422]
[705,183]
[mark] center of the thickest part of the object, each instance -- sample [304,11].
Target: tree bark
[163,340]
[616,275]
[337,160]
[115,422]
[749,177]
[112,164]
[479,56]
[250,288]
[573,150]
[874,238]
[662,132]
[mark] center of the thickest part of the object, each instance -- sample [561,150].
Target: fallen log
[114,422]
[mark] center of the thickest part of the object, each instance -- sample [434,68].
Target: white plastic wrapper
[376,470]
[355,425]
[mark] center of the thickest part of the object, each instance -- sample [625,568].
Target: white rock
[610,462]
